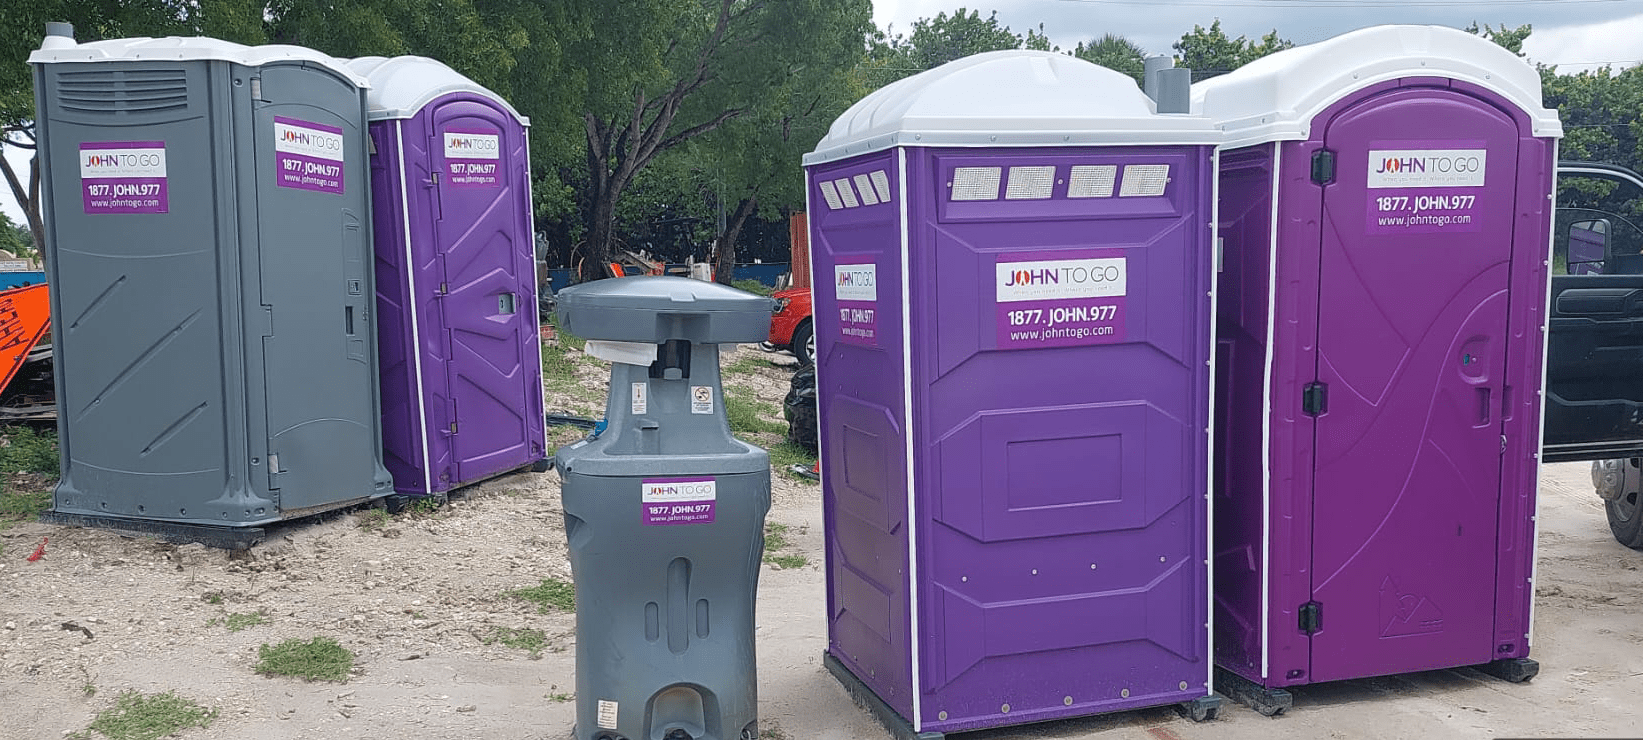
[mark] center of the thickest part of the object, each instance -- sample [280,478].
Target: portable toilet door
[209,262]
[456,277]
[1014,277]
[1385,208]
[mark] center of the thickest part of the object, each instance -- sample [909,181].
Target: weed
[247,620]
[529,640]
[787,562]
[551,594]
[319,659]
[138,716]
[25,450]
[747,416]
[775,537]
[772,733]
[423,507]
[372,519]
[561,697]
[212,597]
[752,286]
[89,689]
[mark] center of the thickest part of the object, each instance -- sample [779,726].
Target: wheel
[1626,510]
[804,343]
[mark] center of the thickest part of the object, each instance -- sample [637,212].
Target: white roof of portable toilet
[1275,98]
[401,86]
[183,48]
[1008,99]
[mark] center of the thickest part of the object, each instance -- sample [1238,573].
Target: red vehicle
[791,326]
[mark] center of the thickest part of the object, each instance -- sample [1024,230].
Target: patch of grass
[212,597]
[747,415]
[747,365]
[551,594]
[787,562]
[775,539]
[17,507]
[423,507]
[785,455]
[525,638]
[372,519]
[238,622]
[560,697]
[139,716]
[26,450]
[319,659]
[752,286]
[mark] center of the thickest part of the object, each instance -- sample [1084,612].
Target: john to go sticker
[678,500]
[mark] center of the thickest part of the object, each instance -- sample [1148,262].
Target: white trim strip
[1545,347]
[907,411]
[810,257]
[536,310]
[416,326]
[1209,421]
[1266,416]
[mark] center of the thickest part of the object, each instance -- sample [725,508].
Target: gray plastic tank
[665,514]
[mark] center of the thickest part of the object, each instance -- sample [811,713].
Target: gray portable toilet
[455,271]
[208,230]
[665,514]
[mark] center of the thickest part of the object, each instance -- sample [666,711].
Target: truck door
[1594,358]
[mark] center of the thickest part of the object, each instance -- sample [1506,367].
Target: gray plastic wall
[215,349]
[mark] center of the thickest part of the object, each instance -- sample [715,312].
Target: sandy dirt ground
[418,597]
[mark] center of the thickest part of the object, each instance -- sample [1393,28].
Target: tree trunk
[724,256]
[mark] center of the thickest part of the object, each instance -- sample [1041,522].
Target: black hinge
[1314,399]
[1312,617]
[1323,166]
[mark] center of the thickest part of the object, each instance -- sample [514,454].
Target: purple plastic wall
[1389,508]
[1060,519]
[861,402]
[456,295]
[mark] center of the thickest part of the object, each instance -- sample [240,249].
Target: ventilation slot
[865,187]
[1029,183]
[115,92]
[976,183]
[1092,181]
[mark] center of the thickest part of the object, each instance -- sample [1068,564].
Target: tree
[1209,52]
[1114,52]
[681,69]
[1510,39]
[939,40]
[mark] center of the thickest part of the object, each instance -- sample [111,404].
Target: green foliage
[1114,52]
[529,640]
[784,455]
[1209,52]
[552,593]
[16,506]
[15,238]
[1510,39]
[753,286]
[747,415]
[319,659]
[139,716]
[775,540]
[26,450]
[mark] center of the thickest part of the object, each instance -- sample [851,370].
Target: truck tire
[1626,514]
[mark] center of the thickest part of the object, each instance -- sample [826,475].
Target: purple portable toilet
[1385,210]
[456,277]
[1014,276]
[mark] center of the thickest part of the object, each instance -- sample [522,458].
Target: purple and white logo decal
[308,156]
[123,177]
[678,500]
[1061,302]
[473,158]
[856,287]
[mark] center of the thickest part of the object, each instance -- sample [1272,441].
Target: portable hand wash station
[665,512]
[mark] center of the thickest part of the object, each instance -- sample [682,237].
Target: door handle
[348,320]
[1485,401]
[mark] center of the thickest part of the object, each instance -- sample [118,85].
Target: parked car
[791,326]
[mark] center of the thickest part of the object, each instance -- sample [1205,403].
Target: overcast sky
[1573,34]
[1569,33]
